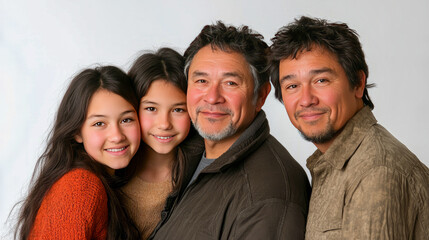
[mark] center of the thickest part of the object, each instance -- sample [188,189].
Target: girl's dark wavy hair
[165,64]
[305,33]
[63,153]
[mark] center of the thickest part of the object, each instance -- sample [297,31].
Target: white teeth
[163,138]
[115,149]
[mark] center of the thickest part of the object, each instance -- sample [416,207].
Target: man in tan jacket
[366,184]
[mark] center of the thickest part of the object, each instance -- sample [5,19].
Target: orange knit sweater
[74,208]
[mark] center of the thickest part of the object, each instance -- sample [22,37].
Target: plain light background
[44,43]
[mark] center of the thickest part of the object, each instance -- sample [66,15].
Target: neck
[215,149]
[156,167]
[323,147]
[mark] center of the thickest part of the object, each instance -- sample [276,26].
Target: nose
[307,98]
[116,135]
[214,95]
[164,121]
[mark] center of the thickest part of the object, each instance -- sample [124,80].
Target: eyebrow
[155,103]
[148,102]
[226,74]
[179,104]
[199,74]
[104,116]
[312,73]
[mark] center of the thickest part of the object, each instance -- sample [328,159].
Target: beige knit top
[145,203]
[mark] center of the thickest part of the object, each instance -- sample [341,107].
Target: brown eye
[98,124]
[180,110]
[127,120]
[322,80]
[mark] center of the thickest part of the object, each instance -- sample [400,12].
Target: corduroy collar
[346,143]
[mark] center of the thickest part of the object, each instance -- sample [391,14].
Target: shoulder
[273,173]
[79,188]
[76,204]
[80,180]
[81,175]
[383,164]
[380,148]
[273,156]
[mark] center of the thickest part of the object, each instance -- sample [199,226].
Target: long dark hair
[165,64]
[63,153]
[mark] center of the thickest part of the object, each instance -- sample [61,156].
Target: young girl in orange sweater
[75,194]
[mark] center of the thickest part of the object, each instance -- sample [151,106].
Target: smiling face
[164,117]
[317,95]
[111,132]
[220,94]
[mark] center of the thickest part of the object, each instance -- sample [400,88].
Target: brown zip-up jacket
[255,190]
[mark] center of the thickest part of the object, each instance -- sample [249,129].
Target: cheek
[239,102]
[192,100]
[133,134]
[93,142]
[193,96]
[183,124]
[290,106]
[328,96]
[146,123]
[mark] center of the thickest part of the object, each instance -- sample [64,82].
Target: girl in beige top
[161,86]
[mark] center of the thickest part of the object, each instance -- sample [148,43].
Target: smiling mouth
[210,112]
[163,138]
[311,114]
[116,149]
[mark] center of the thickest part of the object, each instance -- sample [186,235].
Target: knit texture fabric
[74,208]
[145,202]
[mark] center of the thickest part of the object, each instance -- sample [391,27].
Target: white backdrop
[44,43]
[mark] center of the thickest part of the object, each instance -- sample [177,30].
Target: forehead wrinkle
[233,74]
[312,73]
[287,77]
[322,70]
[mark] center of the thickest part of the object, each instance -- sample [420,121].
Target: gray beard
[225,133]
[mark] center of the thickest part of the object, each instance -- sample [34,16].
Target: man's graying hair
[337,38]
[231,39]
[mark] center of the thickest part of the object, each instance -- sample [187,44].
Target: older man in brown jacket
[246,185]
[366,184]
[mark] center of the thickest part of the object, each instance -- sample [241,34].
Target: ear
[78,138]
[264,90]
[359,89]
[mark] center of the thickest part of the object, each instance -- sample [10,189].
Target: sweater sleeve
[74,208]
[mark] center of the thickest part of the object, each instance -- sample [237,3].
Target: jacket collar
[346,142]
[248,141]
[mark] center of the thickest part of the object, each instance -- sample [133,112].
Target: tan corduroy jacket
[367,185]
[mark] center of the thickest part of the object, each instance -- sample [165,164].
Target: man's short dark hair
[305,33]
[241,40]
